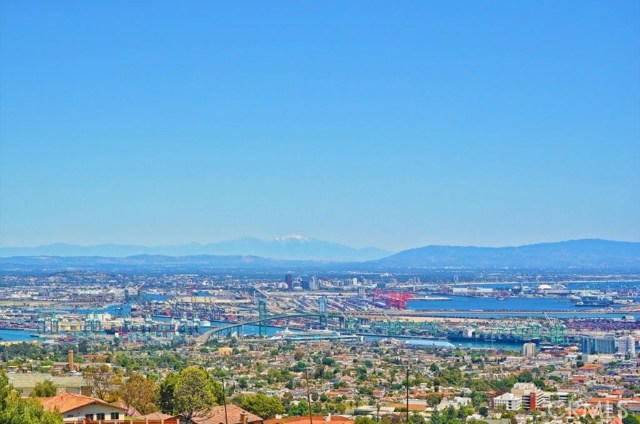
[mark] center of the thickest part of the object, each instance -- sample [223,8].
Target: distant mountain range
[601,255]
[580,254]
[293,247]
[153,263]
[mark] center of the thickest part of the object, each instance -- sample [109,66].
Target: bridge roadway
[433,315]
[205,337]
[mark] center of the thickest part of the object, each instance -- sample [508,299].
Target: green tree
[365,390]
[103,382]
[83,346]
[436,417]
[17,410]
[260,404]
[166,398]
[216,389]
[243,382]
[193,393]
[330,362]
[44,388]
[416,418]
[27,411]
[434,399]
[631,419]
[5,389]
[479,398]
[139,393]
[484,411]
[298,409]
[299,366]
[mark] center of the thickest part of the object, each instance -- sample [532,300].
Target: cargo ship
[595,301]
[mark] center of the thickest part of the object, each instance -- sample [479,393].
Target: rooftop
[66,402]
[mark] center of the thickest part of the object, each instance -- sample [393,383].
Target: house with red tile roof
[590,368]
[604,404]
[158,417]
[74,407]
[234,415]
[582,412]
[315,419]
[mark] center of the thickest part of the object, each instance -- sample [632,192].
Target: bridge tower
[42,323]
[262,315]
[55,327]
[324,314]
[88,323]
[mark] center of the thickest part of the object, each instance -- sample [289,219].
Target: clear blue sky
[385,123]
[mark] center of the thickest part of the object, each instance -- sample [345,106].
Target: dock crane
[556,330]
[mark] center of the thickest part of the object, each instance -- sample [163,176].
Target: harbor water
[16,335]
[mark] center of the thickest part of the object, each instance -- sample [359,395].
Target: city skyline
[363,124]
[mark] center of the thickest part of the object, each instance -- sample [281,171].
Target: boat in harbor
[503,295]
[308,335]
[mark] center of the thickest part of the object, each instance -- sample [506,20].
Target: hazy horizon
[366,124]
[311,239]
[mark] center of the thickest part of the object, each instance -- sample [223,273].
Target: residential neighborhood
[251,381]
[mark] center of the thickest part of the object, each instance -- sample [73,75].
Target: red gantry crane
[396,300]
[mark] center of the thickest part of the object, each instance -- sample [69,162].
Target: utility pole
[306,377]
[224,401]
[224,392]
[407,394]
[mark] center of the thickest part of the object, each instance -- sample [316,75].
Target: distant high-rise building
[626,344]
[594,345]
[529,349]
[288,279]
[606,344]
[586,345]
[309,284]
